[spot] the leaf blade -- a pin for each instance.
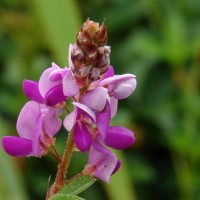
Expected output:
(77, 185)
(65, 197)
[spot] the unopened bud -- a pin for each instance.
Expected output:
(90, 55)
(91, 36)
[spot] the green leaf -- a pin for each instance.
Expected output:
(77, 185)
(65, 197)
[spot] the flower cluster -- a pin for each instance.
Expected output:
(89, 82)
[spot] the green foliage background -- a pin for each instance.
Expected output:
(159, 42)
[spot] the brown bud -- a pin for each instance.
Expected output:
(90, 55)
(91, 36)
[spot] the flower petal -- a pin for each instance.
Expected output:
(118, 165)
(31, 90)
(57, 74)
(36, 138)
(51, 121)
(82, 137)
(102, 161)
(109, 72)
(95, 99)
(70, 120)
(16, 146)
(119, 137)
(70, 87)
(113, 106)
(120, 86)
(85, 109)
(54, 66)
(103, 120)
(55, 95)
(27, 119)
(44, 83)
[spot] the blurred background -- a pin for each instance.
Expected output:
(159, 42)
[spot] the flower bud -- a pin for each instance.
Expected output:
(91, 36)
(90, 55)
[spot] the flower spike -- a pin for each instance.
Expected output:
(89, 91)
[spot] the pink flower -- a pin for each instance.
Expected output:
(92, 132)
(110, 87)
(81, 119)
(36, 125)
(94, 126)
(102, 163)
(55, 86)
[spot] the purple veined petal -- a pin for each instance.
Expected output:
(103, 120)
(85, 109)
(70, 87)
(70, 120)
(120, 86)
(95, 99)
(55, 95)
(27, 119)
(36, 138)
(57, 74)
(109, 72)
(16, 146)
(118, 165)
(103, 160)
(113, 106)
(31, 90)
(44, 83)
(51, 121)
(119, 137)
(82, 137)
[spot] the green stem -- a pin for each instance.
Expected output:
(63, 166)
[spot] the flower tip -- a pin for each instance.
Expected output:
(55, 95)
(4, 144)
(31, 90)
(16, 146)
(118, 165)
(119, 137)
(54, 65)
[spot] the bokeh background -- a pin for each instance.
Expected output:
(159, 42)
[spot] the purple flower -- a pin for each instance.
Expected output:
(91, 132)
(91, 84)
(116, 137)
(36, 125)
(102, 163)
(119, 86)
(81, 119)
(95, 99)
(90, 126)
(110, 87)
(31, 90)
(55, 86)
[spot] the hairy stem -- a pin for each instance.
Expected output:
(63, 166)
